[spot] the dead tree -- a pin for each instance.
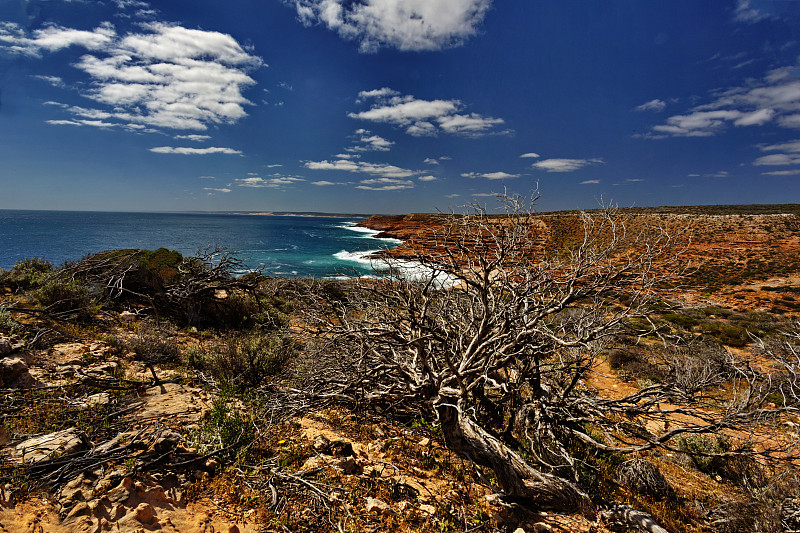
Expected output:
(497, 339)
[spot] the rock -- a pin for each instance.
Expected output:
(212, 464)
(167, 441)
(127, 316)
(375, 505)
(14, 373)
(428, 508)
(5, 345)
(541, 527)
(519, 530)
(50, 445)
(99, 370)
(121, 492)
(4, 436)
(425, 442)
(101, 398)
(321, 444)
(233, 529)
(341, 448)
(350, 466)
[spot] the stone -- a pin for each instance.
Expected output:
(127, 316)
(233, 529)
(375, 505)
(5, 345)
(212, 464)
(428, 508)
(167, 441)
(541, 527)
(51, 445)
(425, 442)
(349, 466)
(100, 370)
(341, 448)
(101, 398)
(14, 373)
(321, 444)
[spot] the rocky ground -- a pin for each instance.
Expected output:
(95, 437)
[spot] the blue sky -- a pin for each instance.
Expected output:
(393, 106)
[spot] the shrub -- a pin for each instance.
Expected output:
(64, 298)
(644, 478)
(243, 359)
(26, 274)
(154, 343)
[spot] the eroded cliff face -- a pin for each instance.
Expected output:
(747, 261)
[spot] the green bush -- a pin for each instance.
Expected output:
(244, 359)
(154, 343)
(26, 274)
(65, 298)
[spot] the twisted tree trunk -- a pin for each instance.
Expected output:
(519, 481)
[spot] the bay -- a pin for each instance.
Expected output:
(292, 246)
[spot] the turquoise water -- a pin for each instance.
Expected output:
(320, 247)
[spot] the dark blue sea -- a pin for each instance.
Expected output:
(320, 247)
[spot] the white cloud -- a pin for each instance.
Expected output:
(427, 178)
(413, 25)
(376, 169)
(634, 180)
(269, 183)
(530, 155)
(424, 117)
(206, 177)
(383, 92)
(791, 146)
(783, 172)
(431, 161)
(744, 12)
(55, 81)
(196, 138)
(756, 118)
(323, 183)
(565, 165)
(164, 76)
(385, 184)
(589, 182)
(774, 98)
(778, 160)
(653, 105)
(490, 175)
(194, 151)
(367, 142)
(212, 189)
(453, 195)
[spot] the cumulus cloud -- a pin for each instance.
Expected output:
(424, 117)
(275, 182)
(427, 178)
(196, 138)
(55, 81)
(431, 161)
(589, 182)
(490, 175)
(790, 156)
(565, 165)
(164, 76)
(212, 189)
(412, 25)
(655, 105)
(530, 155)
(323, 183)
(773, 99)
(367, 142)
(376, 169)
(385, 184)
(194, 151)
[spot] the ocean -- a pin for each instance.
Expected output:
(291, 246)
